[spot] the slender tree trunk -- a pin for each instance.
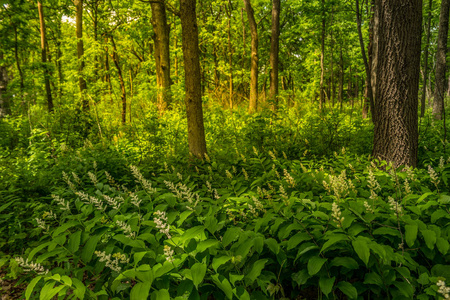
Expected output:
(274, 50)
(425, 63)
(230, 55)
(397, 39)
(19, 68)
(366, 63)
(440, 82)
(162, 54)
(115, 57)
(322, 59)
(5, 97)
(341, 79)
(44, 58)
(107, 71)
(253, 105)
(193, 96)
(80, 52)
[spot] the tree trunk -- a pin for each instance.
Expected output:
(19, 69)
(115, 57)
(230, 56)
(80, 52)
(162, 54)
(253, 105)
(44, 58)
(193, 97)
(397, 39)
(440, 82)
(341, 79)
(322, 58)
(366, 63)
(5, 97)
(425, 63)
(274, 50)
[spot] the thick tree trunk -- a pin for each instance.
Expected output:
(162, 54)
(440, 82)
(193, 97)
(80, 52)
(115, 57)
(425, 63)
(44, 58)
(397, 39)
(253, 105)
(274, 50)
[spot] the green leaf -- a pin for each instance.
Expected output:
(373, 278)
(31, 286)
(257, 267)
(192, 233)
(37, 249)
(442, 245)
(315, 264)
(429, 237)
(49, 290)
(273, 245)
(223, 284)
(129, 241)
(346, 262)
(230, 235)
(89, 248)
(74, 242)
(161, 295)
(335, 238)
(348, 289)
(423, 279)
(438, 214)
(386, 231)
(140, 291)
(235, 277)
(80, 288)
(159, 270)
(198, 272)
(297, 239)
(411, 234)
(218, 261)
(64, 227)
(326, 285)
(362, 249)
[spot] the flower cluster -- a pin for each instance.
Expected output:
(126, 228)
(93, 178)
(135, 200)
(374, 186)
(407, 187)
(339, 185)
(289, 179)
(441, 163)
(63, 204)
(245, 174)
(395, 206)
(144, 182)
(161, 223)
(69, 183)
(91, 200)
(229, 175)
(443, 289)
(112, 261)
(181, 191)
(433, 175)
(258, 206)
(368, 207)
(41, 224)
(168, 253)
(30, 266)
(336, 215)
(113, 202)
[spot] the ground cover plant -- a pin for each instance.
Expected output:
(275, 220)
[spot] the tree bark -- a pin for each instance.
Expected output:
(5, 97)
(193, 97)
(274, 50)
(440, 82)
(80, 52)
(425, 63)
(115, 57)
(322, 59)
(44, 58)
(162, 55)
(397, 39)
(253, 105)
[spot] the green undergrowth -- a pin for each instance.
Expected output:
(261, 226)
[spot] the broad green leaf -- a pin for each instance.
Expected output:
(235, 277)
(218, 261)
(297, 239)
(411, 234)
(192, 233)
(80, 288)
(333, 240)
(140, 291)
(257, 267)
(64, 227)
(138, 256)
(301, 277)
(423, 279)
(89, 248)
(159, 270)
(442, 245)
(49, 290)
(429, 237)
(37, 249)
(438, 214)
(273, 245)
(326, 285)
(386, 231)
(183, 216)
(223, 284)
(230, 235)
(315, 264)
(362, 249)
(373, 278)
(31, 286)
(198, 272)
(74, 241)
(405, 288)
(128, 241)
(161, 295)
(348, 289)
(346, 262)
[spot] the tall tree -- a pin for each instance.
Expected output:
(115, 58)
(192, 73)
(253, 105)
(397, 39)
(322, 59)
(44, 58)
(440, 82)
(5, 98)
(425, 63)
(274, 49)
(80, 53)
(162, 54)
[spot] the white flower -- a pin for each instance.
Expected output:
(63, 204)
(168, 253)
(30, 266)
(161, 223)
(336, 215)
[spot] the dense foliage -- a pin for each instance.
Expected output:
(285, 206)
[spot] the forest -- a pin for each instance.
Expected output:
(224, 149)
